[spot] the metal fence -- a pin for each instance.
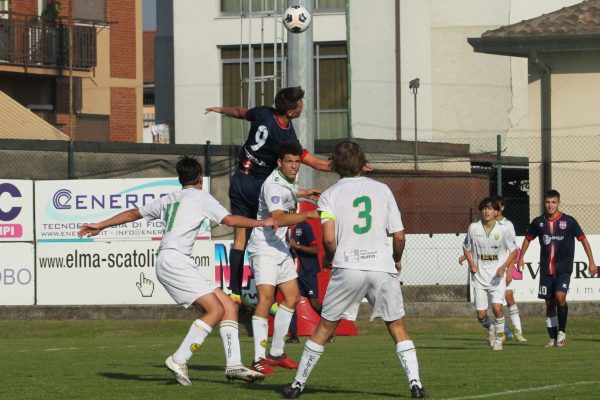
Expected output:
(437, 195)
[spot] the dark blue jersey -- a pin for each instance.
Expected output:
(309, 263)
(258, 157)
(557, 242)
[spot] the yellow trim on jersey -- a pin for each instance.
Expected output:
(326, 215)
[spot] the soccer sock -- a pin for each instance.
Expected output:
(231, 342)
(280, 328)
(310, 356)
(294, 325)
(408, 359)
(515, 318)
(192, 342)
(485, 322)
(499, 326)
(552, 325)
(260, 328)
(236, 270)
(562, 313)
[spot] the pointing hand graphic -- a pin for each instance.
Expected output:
(145, 286)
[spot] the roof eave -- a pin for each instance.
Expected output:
(521, 46)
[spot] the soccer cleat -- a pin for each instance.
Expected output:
(293, 391)
(179, 370)
(519, 336)
(501, 336)
(237, 299)
(417, 391)
(551, 343)
(331, 338)
(241, 373)
(263, 367)
(561, 340)
(274, 308)
(282, 361)
(509, 335)
(497, 345)
(292, 339)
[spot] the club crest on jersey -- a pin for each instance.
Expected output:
(541, 224)
(275, 199)
(562, 225)
(496, 237)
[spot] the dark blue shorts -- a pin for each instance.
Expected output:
(550, 284)
(244, 192)
(309, 286)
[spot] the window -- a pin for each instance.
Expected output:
(5, 8)
(233, 6)
(247, 85)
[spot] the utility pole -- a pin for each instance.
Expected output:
(414, 87)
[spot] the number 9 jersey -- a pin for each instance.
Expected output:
(365, 213)
(258, 156)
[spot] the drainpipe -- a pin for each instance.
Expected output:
(546, 120)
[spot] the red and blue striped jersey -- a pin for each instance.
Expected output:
(557, 242)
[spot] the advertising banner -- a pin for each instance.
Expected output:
(119, 272)
(582, 286)
(61, 207)
(17, 274)
(16, 210)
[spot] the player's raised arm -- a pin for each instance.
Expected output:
(237, 221)
(284, 219)
(320, 164)
(92, 229)
(235, 112)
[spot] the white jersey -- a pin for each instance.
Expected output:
(276, 193)
(489, 252)
(183, 213)
(365, 213)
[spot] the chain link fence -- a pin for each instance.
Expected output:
(437, 188)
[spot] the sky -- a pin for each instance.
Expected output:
(149, 15)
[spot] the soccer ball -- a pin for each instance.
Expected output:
(296, 19)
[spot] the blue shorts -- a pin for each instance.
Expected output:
(244, 192)
(309, 286)
(550, 284)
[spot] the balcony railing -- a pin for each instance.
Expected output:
(37, 43)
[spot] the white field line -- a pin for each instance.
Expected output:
(517, 391)
(77, 348)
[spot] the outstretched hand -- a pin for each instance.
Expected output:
(270, 221)
(311, 194)
(89, 230)
(213, 109)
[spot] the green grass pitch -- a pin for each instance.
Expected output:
(124, 360)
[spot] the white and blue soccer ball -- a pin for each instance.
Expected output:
(296, 19)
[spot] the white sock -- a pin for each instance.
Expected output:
(260, 328)
(310, 356)
(499, 326)
(515, 318)
(408, 359)
(231, 342)
(195, 337)
(280, 329)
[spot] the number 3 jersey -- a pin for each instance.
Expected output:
(365, 213)
(277, 193)
(183, 213)
(489, 251)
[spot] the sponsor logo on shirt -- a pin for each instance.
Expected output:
(548, 239)
(488, 257)
(356, 255)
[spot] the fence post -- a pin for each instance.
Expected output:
(70, 160)
(207, 159)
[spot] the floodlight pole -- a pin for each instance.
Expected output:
(414, 86)
(300, 73)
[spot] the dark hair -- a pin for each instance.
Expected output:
(287, 99)
(189, 170)
(501, 201)
(348, 159)
(552, 193)
(489, 201)
(292, 147)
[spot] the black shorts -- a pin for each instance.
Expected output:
(309, 286)
(550, 284)
(244, 192)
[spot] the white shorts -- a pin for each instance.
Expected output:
(484, 296)
(348, 287)
(272, 268)
(181, 278)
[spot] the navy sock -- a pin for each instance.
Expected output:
(562, 313)
(294, 325)
(236, 270)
